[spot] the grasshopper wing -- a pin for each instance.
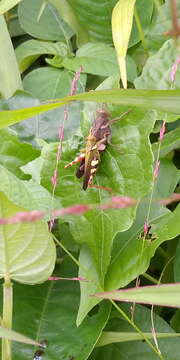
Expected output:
(81, 169)
(91, 164)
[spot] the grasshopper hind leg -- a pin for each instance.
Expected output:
(79, 158)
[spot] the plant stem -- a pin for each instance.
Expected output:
(163, 253)
(150, 278)
(137, 329)
(140, 29)
(7, 317)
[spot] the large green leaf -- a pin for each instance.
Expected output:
(50, 25)
(156, 72)
(109, 337)
(27, 250)
(171, 141)
(87, 270)
(126, 167)
(96, 228)
(14, 25)
(50, 312)
(30, 50)
(165, 100)
(9, 72)
(129, 257)
(66, 12)
(15, 336)
(124, 266)
(138, 349)
(141, 253)
(27, 194)
(176, 264)
(95, 17)
(39, 126)
(99, 59)
(165, 295)
(14, 154)
(175, 320)
(50, 83)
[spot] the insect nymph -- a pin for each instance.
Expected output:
(97, 140)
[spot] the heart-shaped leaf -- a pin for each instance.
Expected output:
(27, 249)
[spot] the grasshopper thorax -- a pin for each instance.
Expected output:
(101, 127)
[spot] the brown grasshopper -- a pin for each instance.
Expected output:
(98, 138)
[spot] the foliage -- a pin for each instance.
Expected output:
(62, 61)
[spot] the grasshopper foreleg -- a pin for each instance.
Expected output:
(76, 160)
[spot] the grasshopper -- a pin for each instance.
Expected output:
(97, 140)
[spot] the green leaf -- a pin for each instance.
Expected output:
(9, 73)
(51, 314)
(87, 270)
(109, 337)
(30, 50)
(65, 10)
(38, 126)
(15, 336)
(176, 264)
(14, 154)
(145, 12)
(95, 17)
(13, 23)
(25, 257)
(157, 70)
(98, 228)
(166, 100)
(50, 83)
(98, 59)
(138, 349)
(171, 141)
(165, 295)
(91, 228)
(163, 22)
(130, 257)
(6, 5)
(175, 320)
(27, 194)
(49, 27)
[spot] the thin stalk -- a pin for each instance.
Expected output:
(158, 4)
(163, 253)
(137, 329)
(140, 29)
(70, 255)
(153, 186)
(150, 278)
(66, 250)
(7, 317)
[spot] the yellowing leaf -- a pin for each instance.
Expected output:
(6, 5)
(122, 19)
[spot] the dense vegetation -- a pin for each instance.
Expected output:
(60, 69)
